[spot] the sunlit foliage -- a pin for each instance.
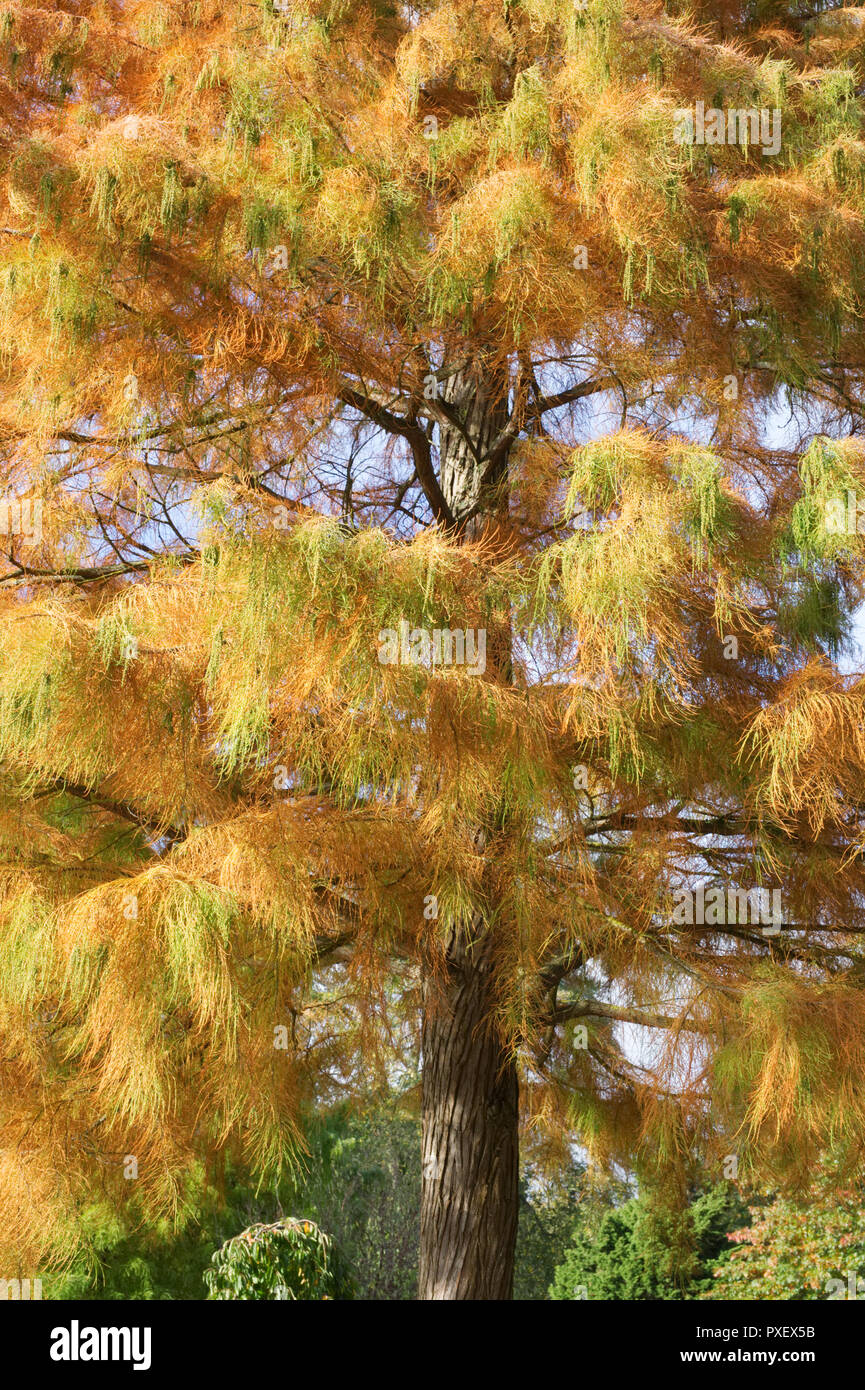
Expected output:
(249, 257)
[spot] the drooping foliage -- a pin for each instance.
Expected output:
(359, 1181)
(249, 257)
(290, 1260)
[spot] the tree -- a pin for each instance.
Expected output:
(796, 1249)
(359, 1182)
(366, 1193)
(548, 1208)
(431, 441)
(291, 1260)
(639, 1250)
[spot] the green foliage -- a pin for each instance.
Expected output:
(813, 615)
(546, 1226)
(361, 1184)
(289, 1260)
(641, 1251)
(794, 1250)
(364, 1187)
(525, 123)
(817, 529)
(707, 515)
(152, 1264)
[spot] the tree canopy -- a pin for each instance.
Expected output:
(423, 431)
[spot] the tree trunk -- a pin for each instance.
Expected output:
(479, 401)
(470, 1143)
(470, 1153)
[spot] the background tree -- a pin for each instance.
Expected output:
(324, 319)
(642, 1250)
(359, 1182)
(549, 1206)
(809, 1248)
(366, 1191)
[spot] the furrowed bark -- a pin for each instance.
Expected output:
(470, 1143)
(470, 1150)
(477, 402)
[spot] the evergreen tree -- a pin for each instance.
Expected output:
(431, 452)
(639, 1251)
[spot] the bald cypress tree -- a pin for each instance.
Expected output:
(431, 463)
